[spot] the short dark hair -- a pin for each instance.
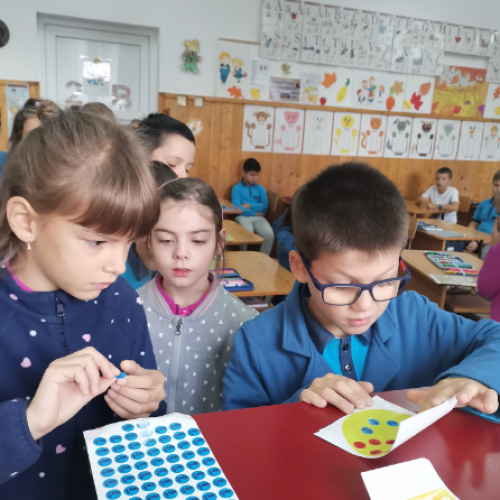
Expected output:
(445, 170)
(496, 201)
(158, 126)
(162, 173)
(251, 165)
(496, 176)
(18, 125)
(349, 207)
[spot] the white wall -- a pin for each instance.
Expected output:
(206, 20)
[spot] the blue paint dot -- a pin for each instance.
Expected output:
(209, 496)
(100, 441)
(115, 439)
(110, 483)
(194, 432)
(203, 451)
(214, 471)
(156, 462)
(131, 490)
(161, 429)
(113, 495)
(119, 448)
(128, 479)
(172, 459)
(169, 494)
(122, 375)
(187, 490)
(165, 439)
(177, 468)
(137, 455)
(165, 482)
(203, 486)
(208, 461)
(183, 445)
(179, 435)
(108, 472)
(101, 452)
(131, 436)
(148, 486)
(198, 475)
(161, 472)
(174, 426)
(120, 459)
(124, 469)
(153, 496)
(226, 493)
(219, 482)
(392, 423)
(366, 430)
(143, 424)
(182, 478)
(104, 462)
(193, 465)
(145, 476)
(141, 465)
(188, 455)
(134, 446)
(128, 427)
(168, 448)
(373, 421)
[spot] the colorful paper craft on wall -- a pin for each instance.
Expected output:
(234, 63)
(335, 88)
(460, 92)
(471, 138)
(370, 89)
(346, 134)
(372, 140)
(309, 88)
(288, 131)
(191, 57)
(419, 94)
(423, 138)
(492, 108)
(195, 125)
(318, 132)
(447, 139)
(398, 135)
(17, 94)
(258, 124)
(490, 150)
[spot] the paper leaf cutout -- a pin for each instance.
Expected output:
(343, 91)
(416, 100)
(455, 80)
(235, 92)
(329, 80)
(390, 103)
(425, 87)
(255, 93)
(286, 68)
(398, 88)
(496, 94)
(407, 104)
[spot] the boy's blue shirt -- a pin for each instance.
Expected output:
(413, 344)
(285, 241)
(485, 215)
(255, 195)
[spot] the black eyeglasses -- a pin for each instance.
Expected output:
(345, 295)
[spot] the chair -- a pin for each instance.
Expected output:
(465, 202)
(273, 203)
(412, 230)
(467, 304)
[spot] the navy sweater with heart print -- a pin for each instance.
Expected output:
(35, 329)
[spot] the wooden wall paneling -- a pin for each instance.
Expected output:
(219, 156)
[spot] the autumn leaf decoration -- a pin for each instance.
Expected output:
(396, 89)
(235, 92)
(416, 100)
(496, 94)
(329, 80)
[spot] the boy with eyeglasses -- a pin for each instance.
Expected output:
(347, 329)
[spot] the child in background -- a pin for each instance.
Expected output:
(169, 141)
(442, 196)
(192, 319)
(73, 195)
(252, 199)
(488, 282)
(346, 329)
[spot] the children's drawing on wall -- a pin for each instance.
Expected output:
(76, 89)
(419, 94)
(493, 72)
(372, 139)
(398, 137)
(288, 131)
(17, 95)
(471, 138)
(423, 139)
(225, 66)
(260, 78)
(97, 77)
(370, 89)
(346, 134)
(492, 107)
(460, 92)
(120, 97)
(394, 101)
(309, 85)
(447, 137)
(335, 88)
(191, 57)
(318, 132)
(258, 124)
(490, 150)
(195, 125)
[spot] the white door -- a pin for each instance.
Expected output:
(82, 64)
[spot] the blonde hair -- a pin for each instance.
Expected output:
(83, 166)
(224, 54)
(239, 62)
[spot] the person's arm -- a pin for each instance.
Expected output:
(236, 200)
(453, 206)
(263, 206)
(474, 224)
(488, 282)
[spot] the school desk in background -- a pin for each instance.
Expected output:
(238, 235)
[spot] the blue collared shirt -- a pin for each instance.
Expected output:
(485, 215)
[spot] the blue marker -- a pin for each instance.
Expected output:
(122, 375)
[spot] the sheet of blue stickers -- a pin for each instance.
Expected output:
(155, 458)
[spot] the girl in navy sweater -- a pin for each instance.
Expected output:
(74, 193)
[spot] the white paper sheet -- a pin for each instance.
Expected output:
(415, 480)
(376, 431)
(155, 458)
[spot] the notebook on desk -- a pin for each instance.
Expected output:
(231, 280)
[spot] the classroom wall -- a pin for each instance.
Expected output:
(206, 20)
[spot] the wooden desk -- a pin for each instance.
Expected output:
(271, 453)
(241, 236)
(228, 208)
(420, 212)
(268, 277)
(434, 241)
(420, 267)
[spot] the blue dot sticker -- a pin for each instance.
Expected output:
(182, 478)
(153, 496)
(142, 424)
(219, 482)
(115, 439)
(187, 489)
(100, 441)
(172, 459)
(118, 448)
(366, 430)
(128, 479)
(148, 486)
(226, 493)
(214, 471)
(152, 452)
(131, 436)
(165, 439)
(198, 475)
(156, 462)
(110, 483)
(183, 445)
(128, 427)
(101, 452)
(392, 423)
(149, 442)
(124, 469)
(120, 459)
(203, 486)
(208, 461)
(137, 455)
(134, 446)
(179, 435)
(174, 427)
(169, 494)
(161, 429)
(373, 421)
(145, 475)
(168, 448)
(131, 490)
(108, 472)
(209, 496)
(165, 482)
(188, 455)
(177, 468)
(198, 441)
(113, 495)
(193, 465)
(161, 472)
(194, 432)
(141, 465)
(203, 451)
(104, 462)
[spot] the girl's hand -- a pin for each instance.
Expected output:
(67, 385)
(495, 233)
(472, 246)
(138, 394)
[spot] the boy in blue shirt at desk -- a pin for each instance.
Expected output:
(346, 329)
(252, 199)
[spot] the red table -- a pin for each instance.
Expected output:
(272, 453)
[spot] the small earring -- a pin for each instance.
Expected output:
(29, 246)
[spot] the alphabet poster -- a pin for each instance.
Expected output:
(257, 129)
(471, 138)
(492, 108)
(447, 139)
(419, 94)
(372, 138)
(398, 136)
(288, 131)
(423, 138)
(318, 132)
(346, 134)
(490, 150)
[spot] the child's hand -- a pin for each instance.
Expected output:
(432, 206)
(342, 392)
(468, 393)
(138, 394)
(68, 384)
(246, 205)
(472, 246)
